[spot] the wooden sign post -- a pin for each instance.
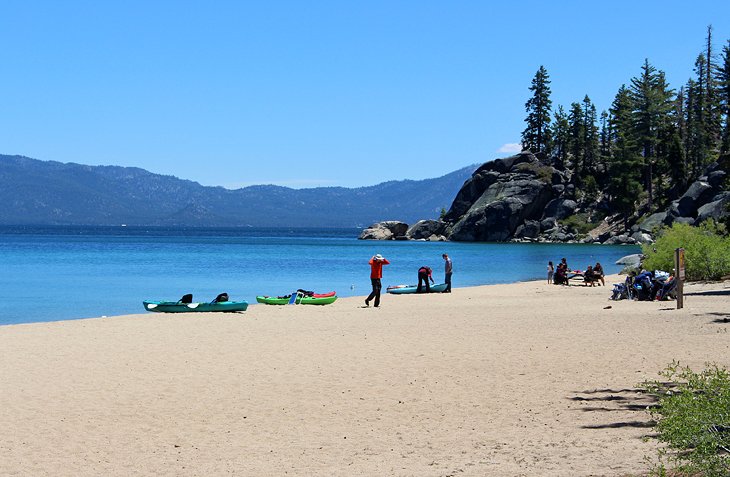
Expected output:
(679, 275)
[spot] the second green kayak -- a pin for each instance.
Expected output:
(307, 300)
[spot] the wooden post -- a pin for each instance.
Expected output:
(679, 275)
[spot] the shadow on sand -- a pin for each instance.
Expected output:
(631, 400)
(709, 293)
(723, 318)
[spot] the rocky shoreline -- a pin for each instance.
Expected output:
(522, 199)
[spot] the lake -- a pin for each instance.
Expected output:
(59, 273)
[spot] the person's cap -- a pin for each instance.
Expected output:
(378, 257)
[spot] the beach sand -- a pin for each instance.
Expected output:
(503, 380)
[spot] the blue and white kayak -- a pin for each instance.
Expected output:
(404, 289)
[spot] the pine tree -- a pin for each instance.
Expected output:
(652, 102)
(560, 137)
(674, 164)
(680, 113)
(698, 153)
(625, 161)
(676, 154)
(590, 142)
(713, 121)
(723, 85)
(604, 145)
(694, 137)
(535, 137)
(667, 138)
(604, 150)
(576, 139)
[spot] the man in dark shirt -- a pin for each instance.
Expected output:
(448, 270)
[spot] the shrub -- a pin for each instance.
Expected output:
(693, 419)
(706, 251)
(582, 223)
(542, 172)
(590, 189)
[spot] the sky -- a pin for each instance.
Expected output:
(317, 93)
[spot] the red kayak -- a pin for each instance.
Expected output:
(324, 295)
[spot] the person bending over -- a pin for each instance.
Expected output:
(424, 275)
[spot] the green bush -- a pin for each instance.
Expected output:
(543, 173)
(582, 223)
(693, 419)
(706, 251)
(589, 189)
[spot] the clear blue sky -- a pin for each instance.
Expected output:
(316, 93)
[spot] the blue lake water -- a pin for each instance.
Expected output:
(58, 273)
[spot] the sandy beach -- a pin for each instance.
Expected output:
(506, 380)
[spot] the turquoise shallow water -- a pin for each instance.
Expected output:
(58, 273)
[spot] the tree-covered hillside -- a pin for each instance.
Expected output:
(47, 192)
(652, 143)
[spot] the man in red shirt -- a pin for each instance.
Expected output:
(376, 273)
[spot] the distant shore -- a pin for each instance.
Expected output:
(518, 379)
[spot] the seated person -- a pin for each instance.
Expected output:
(561, 275)
(589, 276)
(643, 285)
(598, 272)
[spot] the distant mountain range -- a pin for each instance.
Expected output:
(53, 193)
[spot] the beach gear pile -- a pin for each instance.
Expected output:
(646, 286)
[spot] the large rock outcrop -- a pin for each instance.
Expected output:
(705, 199)
(388, 230)
(520, 198)
(503, 199)
(432, 230)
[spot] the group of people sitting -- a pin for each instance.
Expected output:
(593, 275)
(562, 274)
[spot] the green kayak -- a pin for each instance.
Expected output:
(307, 300)
(178, 307)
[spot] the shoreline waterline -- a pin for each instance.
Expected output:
(81, 275)
(255, 305)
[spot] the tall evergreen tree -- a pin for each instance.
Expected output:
(677, 152)
(604, 146)
(694, 136)
(604, 150)
(667, 138)
(535, 137)
(560, 137)
(723, 86)
(625, 161)
(576, 140)
(712, 114)
(651, 103)
(698, 151)
(590, 142)
(680, 113)
(674, 163)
